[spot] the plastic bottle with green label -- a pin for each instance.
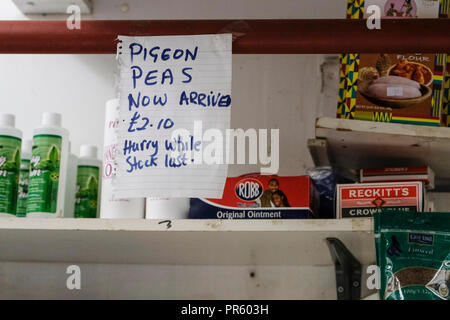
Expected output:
(48, 169)
(23, 179)
(87, 199)
(71, 184)
(10, 147)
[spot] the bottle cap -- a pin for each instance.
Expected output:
(27, 145)
(112, 104)
(88, 151)
(51, 119)
(7, 120)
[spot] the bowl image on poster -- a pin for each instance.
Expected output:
(395, 94)
(395, 83)
(412, 70)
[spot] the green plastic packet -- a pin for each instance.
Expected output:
(413, 253)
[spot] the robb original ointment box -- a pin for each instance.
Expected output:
(362, 200)
(260, 197)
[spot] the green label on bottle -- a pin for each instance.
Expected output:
(23, 188)
(9, 173)
(44, 174)
(87, 192)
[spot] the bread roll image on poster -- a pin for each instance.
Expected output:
(393, 91)
(397, 81)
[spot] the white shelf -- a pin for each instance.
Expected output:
(355, 144)
(187, 242)
(52, 7)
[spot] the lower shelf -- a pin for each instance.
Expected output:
(183, 242)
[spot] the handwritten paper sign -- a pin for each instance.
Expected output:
(171, 90)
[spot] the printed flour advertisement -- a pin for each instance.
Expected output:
(401, 87)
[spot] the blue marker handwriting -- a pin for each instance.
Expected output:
(135, 164)
(154, 69)
(144, 101)
(145, 123)
(205, 100)
(178, 144)
(144, 145)
(157, 53)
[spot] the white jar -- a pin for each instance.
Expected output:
(115, 208)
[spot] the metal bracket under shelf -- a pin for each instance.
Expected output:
(318, 149)
(348, 271)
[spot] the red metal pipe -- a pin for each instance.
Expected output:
(252, 36)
